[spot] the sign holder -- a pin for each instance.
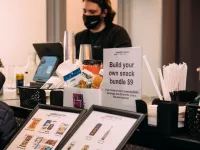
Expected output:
(39, 129)
(102, 121)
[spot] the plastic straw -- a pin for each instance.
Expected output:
(152, 78)
(165, 91)
(183, 77)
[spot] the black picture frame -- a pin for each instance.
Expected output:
(108, 110)
(81, 113)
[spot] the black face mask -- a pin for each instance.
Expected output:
(91, 22)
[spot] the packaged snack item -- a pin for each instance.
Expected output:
(85, 147)
(78, 100)
(93, 66)
(47, 126)
(62, 128)
(25, 141)
(106, 134)
(72, 79)
(51, 142)
(97, 80)
(71, 145)
(86, 79)
(95, 129)
(33, 124)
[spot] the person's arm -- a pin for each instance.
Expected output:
(121, 39)
(8, 124)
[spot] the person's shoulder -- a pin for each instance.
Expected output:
(117, 28)
(120, 36)
(81, 33)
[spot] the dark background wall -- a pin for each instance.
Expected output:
(181, 36)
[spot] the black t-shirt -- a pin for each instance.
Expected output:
(112, 36)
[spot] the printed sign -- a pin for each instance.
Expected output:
(122, 77)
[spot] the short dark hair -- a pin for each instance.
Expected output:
(105, 4)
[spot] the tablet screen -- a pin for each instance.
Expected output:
(46, 68)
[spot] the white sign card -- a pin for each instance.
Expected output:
(81, 98)
(100, 131)
(44, 130)
(122, 77)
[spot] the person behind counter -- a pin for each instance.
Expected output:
(101, 32)
(8, 124)
(2, 80)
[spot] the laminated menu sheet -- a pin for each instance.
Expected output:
(45, 129)
(103, 129)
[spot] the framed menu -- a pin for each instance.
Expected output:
(102, 128)
(45, 128)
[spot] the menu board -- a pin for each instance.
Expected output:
(101, 131)
(44, 131)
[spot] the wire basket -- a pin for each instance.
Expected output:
(30, 97)
(192, 119)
